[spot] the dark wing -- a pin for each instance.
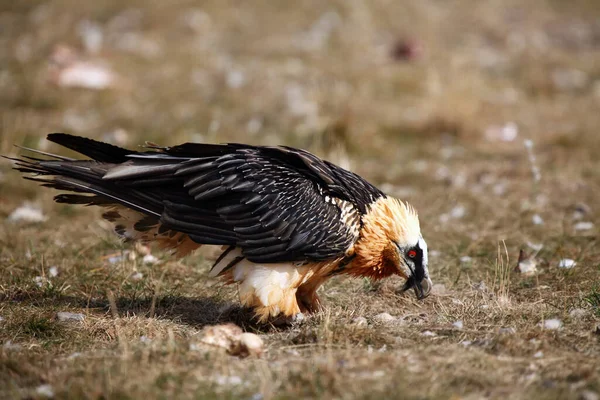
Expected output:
(274, 203)
(333, 180)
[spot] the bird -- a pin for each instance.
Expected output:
(284, 220)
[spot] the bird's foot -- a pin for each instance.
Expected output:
(289, 320)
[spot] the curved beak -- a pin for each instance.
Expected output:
(422, 288)
(426, 286)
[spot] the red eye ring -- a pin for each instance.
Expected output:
(412, 253)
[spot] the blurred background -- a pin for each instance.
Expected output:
(433, 101)
(482, 114)
(365, 75)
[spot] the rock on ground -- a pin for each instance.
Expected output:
(384, 318)
(65, 316)
(233, 340)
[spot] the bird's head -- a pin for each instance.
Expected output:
(392, 243)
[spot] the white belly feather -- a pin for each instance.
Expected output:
(272, 285)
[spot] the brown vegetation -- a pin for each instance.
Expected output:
(432, 101)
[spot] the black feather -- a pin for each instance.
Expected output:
(267, 200)
(95, 150)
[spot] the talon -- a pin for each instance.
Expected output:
(288, 320)
(298, 319)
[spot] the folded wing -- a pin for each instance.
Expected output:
(276, 204)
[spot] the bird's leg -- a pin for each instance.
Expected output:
(288, 320)
(308, 300)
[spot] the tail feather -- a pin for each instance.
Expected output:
(93, 200)
(56, 156)
(99, 151)
(136, 214)
(135, 226)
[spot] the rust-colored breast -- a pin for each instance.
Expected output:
(381, 266)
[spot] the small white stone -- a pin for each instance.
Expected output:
(566, 263)
(297, 319)
(196, 347)
(539, 354)
(86, 75)
(507, 331)
(10, 346)
(119, 136)
(45, 391)
(384, 318)
(27, 213)
(458, 324)
(136, 277)
(142, 249)
(197, 20)
(233, 380)
(504, 133)
(537, 220)
(225, 336)
(589, 395)
(535, 246)
(552, 324)
(91, 35)
(458, 180)
(145, 339)
(583, 226)
(65, 316)
(235, 79)
(567, 79)
(254, 125)
(53, 272)
(466, 343)
(251, 344)
(499, 189)
(149, 259)
(214, 126)
(528, 267)
(115, 259)
(465, 259)
(360, 321)
(458, 212)
(443, 173)
(438, 289)
(428, 334)
(578, 313)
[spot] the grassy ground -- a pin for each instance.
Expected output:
(432, 127)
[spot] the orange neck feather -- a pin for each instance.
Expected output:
(387, 220)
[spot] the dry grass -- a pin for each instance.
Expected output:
(318, 76)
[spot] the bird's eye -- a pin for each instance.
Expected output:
(412, 253)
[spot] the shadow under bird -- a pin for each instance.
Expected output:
(285, 219)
